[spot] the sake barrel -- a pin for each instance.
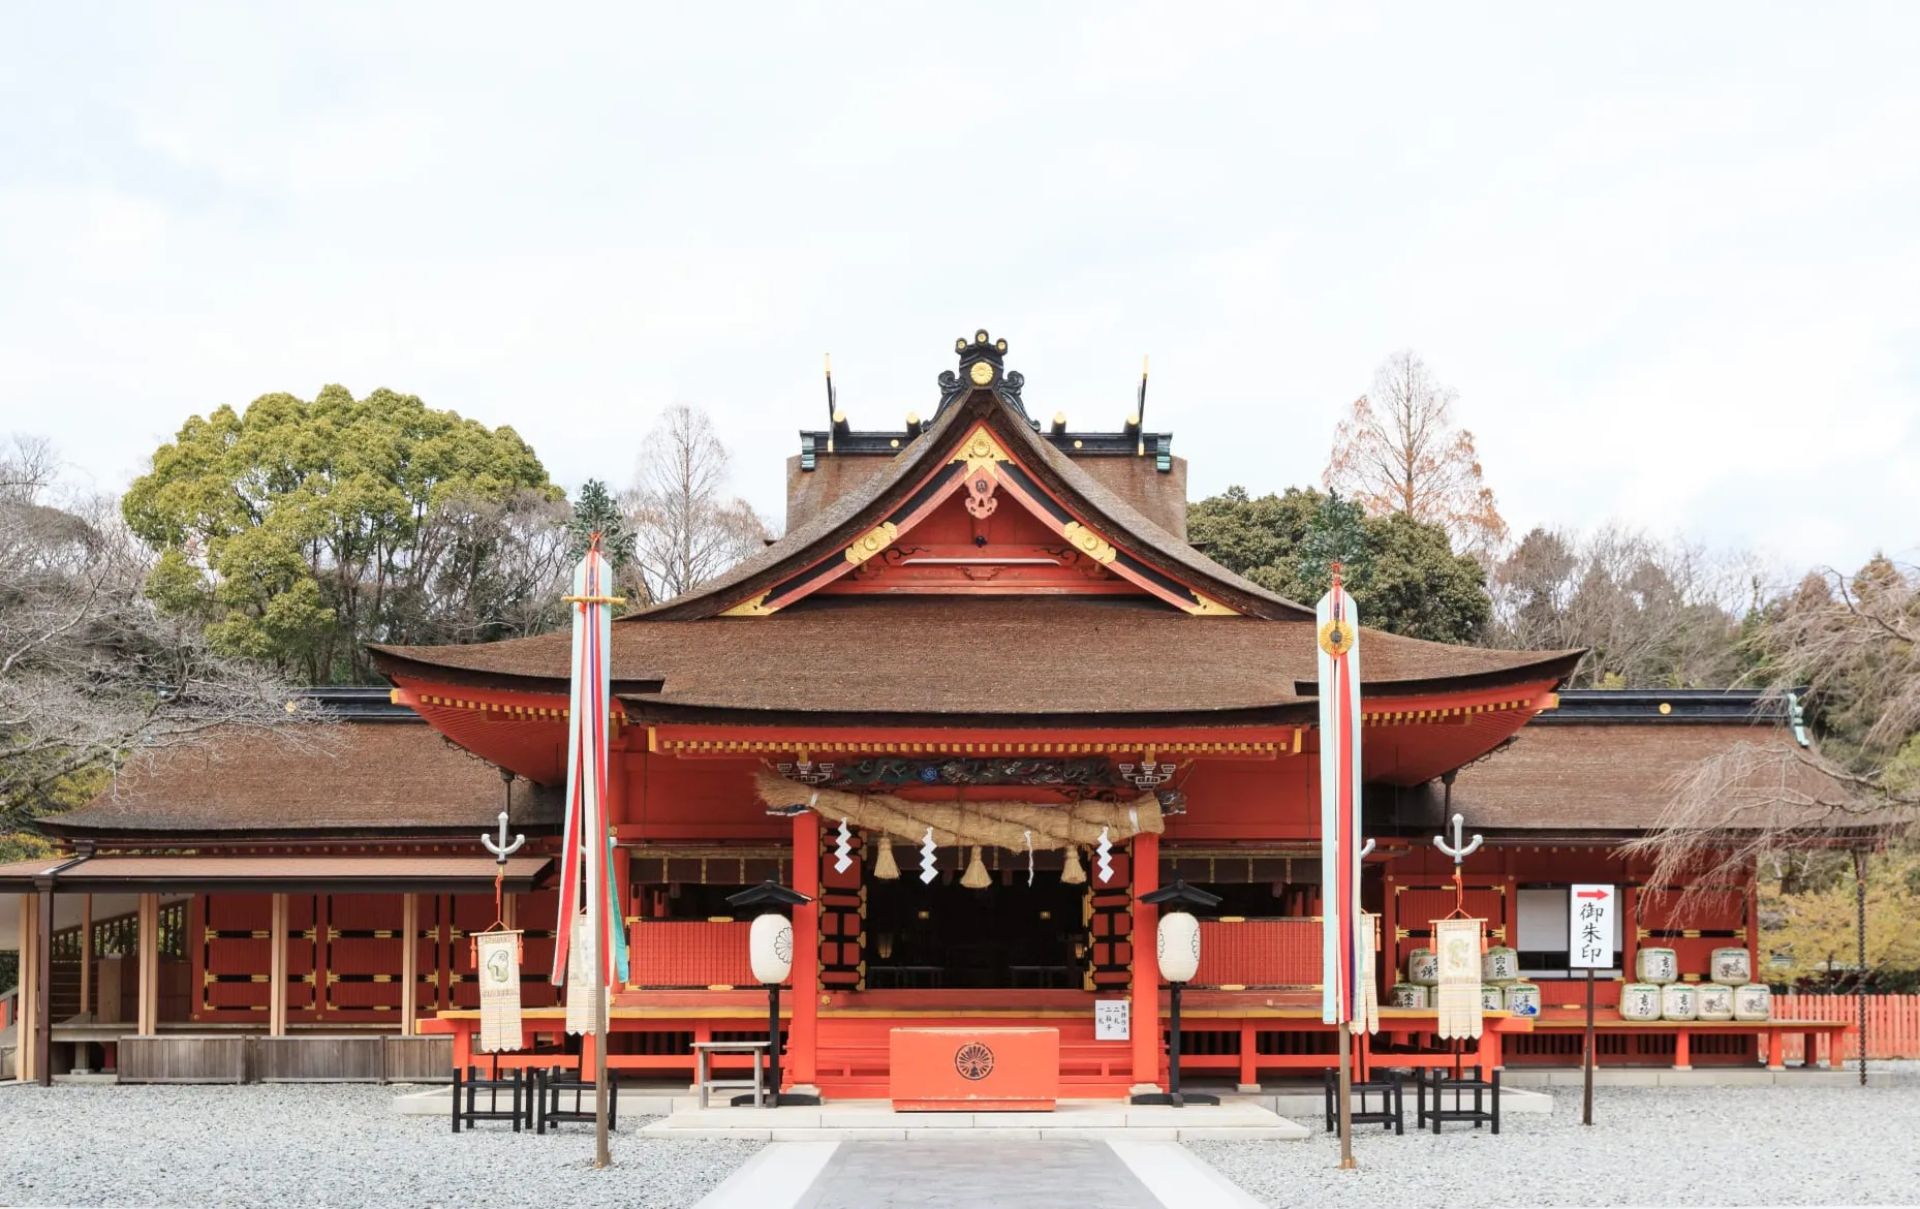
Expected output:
(1716, 1002)
(1679, 1001)
(1523, 998)
(1657, 966)
(1730, 967)
(1639, 1001)
(1753, 1002)
(1423, 967)
(1501, 964)
(1408, 995)
(1492, 998)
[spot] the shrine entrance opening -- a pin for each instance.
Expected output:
(946, 936)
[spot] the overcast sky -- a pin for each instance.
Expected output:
(1670, 260)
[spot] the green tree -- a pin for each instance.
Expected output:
(596, 511)
(1402, 572)
(300, 530)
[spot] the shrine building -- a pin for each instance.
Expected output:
(980, 699)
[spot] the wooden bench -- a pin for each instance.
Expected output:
(705, 1083)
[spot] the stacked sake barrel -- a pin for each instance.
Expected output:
(1733, 969)
(1644, 998)
(1659, 993)
(1499, 974)
(1423, 974)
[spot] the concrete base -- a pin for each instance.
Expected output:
(88, 1078)
(875, 1120)
(1699, 1076)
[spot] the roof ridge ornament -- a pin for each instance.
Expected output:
(983, 367)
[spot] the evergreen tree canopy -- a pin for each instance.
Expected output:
(302, 530)
(1403, 573)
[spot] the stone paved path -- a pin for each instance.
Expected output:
(977, 1175)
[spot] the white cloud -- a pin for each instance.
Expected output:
(1668, 262)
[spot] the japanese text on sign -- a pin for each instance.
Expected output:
(1590, 934)
(1111, 1020)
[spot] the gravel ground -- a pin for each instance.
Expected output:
(329, 1144)
(1647, 1146)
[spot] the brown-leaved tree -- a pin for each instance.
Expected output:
(1399, 450)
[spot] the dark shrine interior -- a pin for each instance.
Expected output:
(945, 936)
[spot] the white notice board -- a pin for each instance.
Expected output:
(1110, 1020)
(1590, 926)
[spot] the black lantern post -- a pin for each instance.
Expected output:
(772, 961)
(1181, 934)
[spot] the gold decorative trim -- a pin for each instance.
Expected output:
(495, 707)
(1396, 717)
(757, 607)
(1209, 607)
(979, 447)
(872, 542)
(1088, 542)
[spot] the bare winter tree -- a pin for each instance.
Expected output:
(1651, 613)
(486, 569)
(92, 675)
(687, 530)
(1399, 451)
(1852, 643)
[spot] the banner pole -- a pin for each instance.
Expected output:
(1347, 1162)
(1586, 1104)
(601, 1157)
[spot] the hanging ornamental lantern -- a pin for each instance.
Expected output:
(1179, 946)
(771, 948)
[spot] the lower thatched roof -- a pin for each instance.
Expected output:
(344, 778)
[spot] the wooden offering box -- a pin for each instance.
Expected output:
(974, 1069)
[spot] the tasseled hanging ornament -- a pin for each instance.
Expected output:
(883, 865)
(1071, 873)
(976, 877)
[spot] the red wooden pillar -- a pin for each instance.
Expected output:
(803, 1025)
(1145, 1008)
(620, 810)
(1630, 932)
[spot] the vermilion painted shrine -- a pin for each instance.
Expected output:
(978, 614)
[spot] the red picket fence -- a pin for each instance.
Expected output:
(1893, 1023)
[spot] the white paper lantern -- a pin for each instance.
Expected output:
(771, 947)
(1179, 946)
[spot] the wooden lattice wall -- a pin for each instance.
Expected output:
(345, 955)
(1109, 919)
(843, 915)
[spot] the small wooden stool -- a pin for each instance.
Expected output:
(703, 1079)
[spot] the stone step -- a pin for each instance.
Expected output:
(875, 1120)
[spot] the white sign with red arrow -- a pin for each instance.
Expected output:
(1590, 930)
